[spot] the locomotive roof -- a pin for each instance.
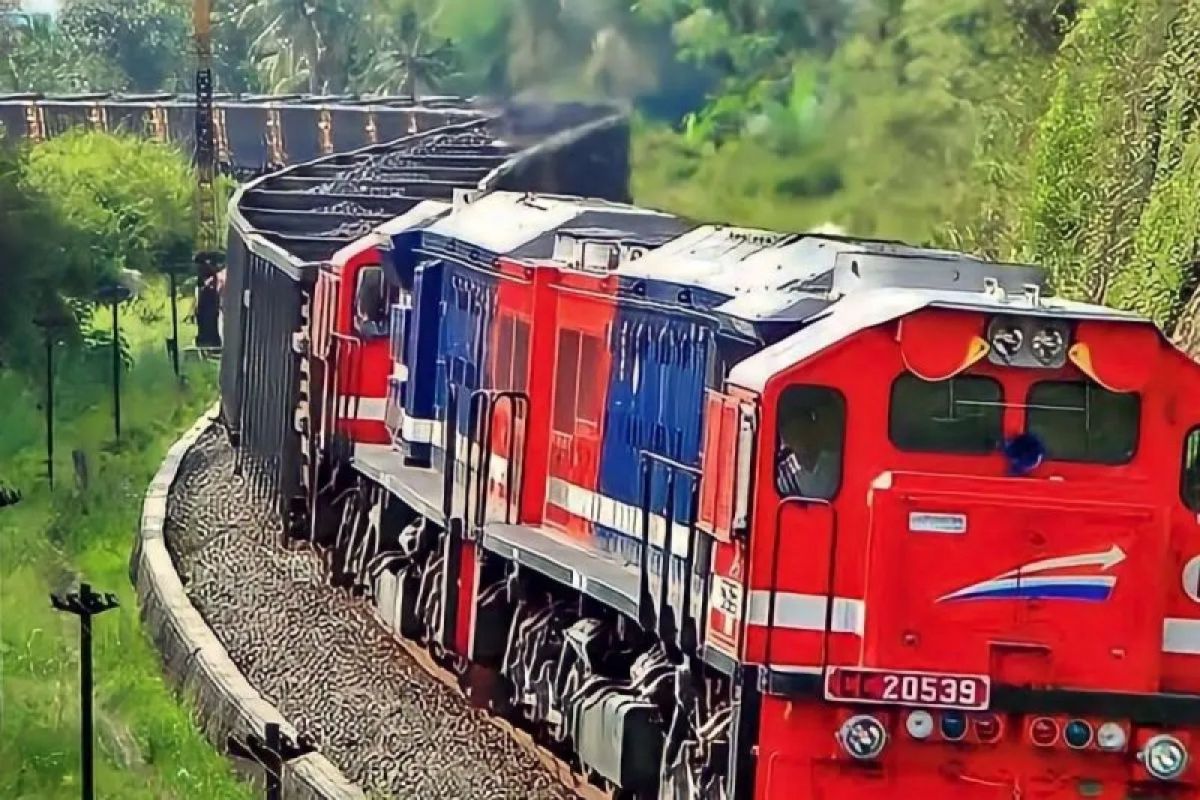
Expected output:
(878, 304)
(767, 276)
(424, 213)
(525, 225)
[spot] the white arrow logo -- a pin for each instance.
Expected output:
(1022, 580)
(1106, 561)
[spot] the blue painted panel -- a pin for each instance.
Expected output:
(400, 259)
(655, 403)
(467, 302)
(423, 322)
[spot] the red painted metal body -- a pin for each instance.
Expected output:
(889, 581)
(356, 366)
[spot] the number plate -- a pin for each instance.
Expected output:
(891, 687)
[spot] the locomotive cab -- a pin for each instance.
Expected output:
(960, 557)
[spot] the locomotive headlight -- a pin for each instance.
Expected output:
(1048, 345)
(954, 725)
(1007, 341)
(1111, 737)
(1164, 757)
(1077, 734)
(862, 737)
(919, 725)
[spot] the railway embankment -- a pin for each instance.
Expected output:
(254, 633)
(195, 660)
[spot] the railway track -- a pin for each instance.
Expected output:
(381, 710)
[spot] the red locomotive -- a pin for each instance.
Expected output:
(725, 513)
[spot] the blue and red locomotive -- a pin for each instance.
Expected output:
(728, 513)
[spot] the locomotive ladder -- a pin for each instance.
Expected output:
(478, 462)
(680, 637)
(830, 574)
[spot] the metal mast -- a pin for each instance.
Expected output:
(208, 258)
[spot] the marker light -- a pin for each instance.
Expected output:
(1043, 732)
(1007, 341)
(1164, 757)
(954, 725)
(1078, 734)
(919, 724)
(1048, 346)
(862, 737)
(1111, 737)
(987, 727)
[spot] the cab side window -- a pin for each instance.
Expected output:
(811, 427)
(370, 304)
(1189, 483)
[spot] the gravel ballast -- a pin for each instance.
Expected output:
(322, 658)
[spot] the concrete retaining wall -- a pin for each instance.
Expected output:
(195, 661)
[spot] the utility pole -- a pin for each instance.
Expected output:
(271, 751)
(206, 147)
(172, 271)
(51, 323)
(114, 294)
(207, 259)
(85, 604)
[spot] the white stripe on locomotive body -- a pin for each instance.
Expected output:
(372, 409)
(418, 431)
(1181, 636)
(807, 612)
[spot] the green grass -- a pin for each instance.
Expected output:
(147, 743)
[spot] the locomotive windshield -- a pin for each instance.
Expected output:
(959, 415)
(1082, 421)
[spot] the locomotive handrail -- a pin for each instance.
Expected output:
(663, 622)
(349, 347)
(773, 591)
(449, 448)
(493, 399)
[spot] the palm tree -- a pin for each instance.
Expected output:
(410, 59)
(35, 55)
(298, 42)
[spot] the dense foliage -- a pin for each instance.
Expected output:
(1062, 131)
(1106, 196)
(81, 211)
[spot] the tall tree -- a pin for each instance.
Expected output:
(37, 55)
(408, 57)
(301, 44)
(145, 39)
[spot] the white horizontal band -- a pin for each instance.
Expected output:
(1181, 636)
(367, 408)
(417, 431)
(807, 612)
(615, 514)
